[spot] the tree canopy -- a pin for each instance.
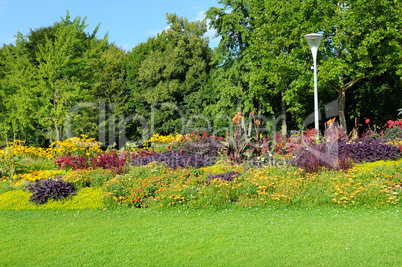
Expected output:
(59, 81)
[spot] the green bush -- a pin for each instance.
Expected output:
(87, 198)
(88, 177)
(28, 164)
(5, 186)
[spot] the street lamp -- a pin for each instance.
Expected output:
(313, 40)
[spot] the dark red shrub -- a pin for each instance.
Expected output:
(110, 160)
(75, 162)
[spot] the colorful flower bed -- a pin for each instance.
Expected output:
(201, 171)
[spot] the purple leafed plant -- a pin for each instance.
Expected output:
(175, 159)
(228, 176)
(50, 189)
(364, 150)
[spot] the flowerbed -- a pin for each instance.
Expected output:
(201, 171)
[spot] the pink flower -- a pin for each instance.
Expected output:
(181, 150)
(367, 121)
(382, 134)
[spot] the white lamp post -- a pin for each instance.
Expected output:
(313, 40)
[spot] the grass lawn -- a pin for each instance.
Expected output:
(244, 237)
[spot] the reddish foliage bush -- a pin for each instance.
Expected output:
(112, 160)
(75, 162)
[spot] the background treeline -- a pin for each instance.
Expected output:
(174, 82)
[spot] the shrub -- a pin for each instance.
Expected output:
(8, 162)
(50, 189)
(175, 159)
(5, 186)
(151, 185)
(285, 146)
(162, 144)
(115, 161)
(34, 176)
(28, 164)
(88, 177)
(236, 147)
(140, 154)
(76, 146)
(317, 156)
(364, 150)
(87, 198)
(393, 133)
(203, 145)
(138, 184)
(73, 162)
(228, 176)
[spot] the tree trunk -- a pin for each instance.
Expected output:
(250, 124)
(51, 135)
(57, 131)
(7, 140)
(284, 126)
(341, 109)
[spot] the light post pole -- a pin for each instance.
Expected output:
(313, 40)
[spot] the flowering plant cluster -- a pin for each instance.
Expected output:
(77, 146)
(198, 170)
(391, 131)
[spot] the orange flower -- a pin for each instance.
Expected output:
(237, 117)
(331, 121)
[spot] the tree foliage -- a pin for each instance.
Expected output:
(59, 81)
(170, 74)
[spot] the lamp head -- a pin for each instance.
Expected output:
(313, 40)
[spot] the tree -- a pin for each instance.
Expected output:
(172, 76)
(362, 39)
(65, 70)
(280, 69)
(136, 105)
(106, 98)
(356, 46)
(18, 100)
(231, 57)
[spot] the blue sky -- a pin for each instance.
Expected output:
(128, 22)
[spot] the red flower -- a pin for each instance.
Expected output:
(181, 150)
(382, 134)
(367, 121)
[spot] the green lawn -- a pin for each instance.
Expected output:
(248, 237)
